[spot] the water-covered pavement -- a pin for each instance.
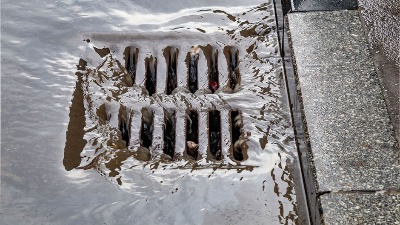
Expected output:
(64, 158)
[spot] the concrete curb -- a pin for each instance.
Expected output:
(351, 136)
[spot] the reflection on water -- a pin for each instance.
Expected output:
(231, 51)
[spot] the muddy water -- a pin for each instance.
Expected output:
(66, 93)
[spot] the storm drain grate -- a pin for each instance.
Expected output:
(238, 148)
(182, 98)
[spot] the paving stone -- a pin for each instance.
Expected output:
(351, 137)
(361, 208)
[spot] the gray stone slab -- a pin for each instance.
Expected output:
(361, 208)
(324, 5)
(351, 137)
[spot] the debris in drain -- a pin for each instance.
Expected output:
(131, 56)
(169, 133)
(192, 60)
(239, 147)
(151, 74)
(239, 141)
(237, 120)
(214, 134)
(192, 149)
(142, 154)
(146, 134)
(192, 134)
(171, 55)
(232, 56)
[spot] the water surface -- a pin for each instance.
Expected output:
(41, 183)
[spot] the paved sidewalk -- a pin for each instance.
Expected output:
(355, 153)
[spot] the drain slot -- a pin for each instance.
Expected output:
(232, 56)
(192, 134)
(123, 127)
(171, 55)
(214, 74)
(151, 74)
(131, 56)
(192, 59)
(169, 133)
(146, 134)
(214, 134)
(211, 56)
(239, 145)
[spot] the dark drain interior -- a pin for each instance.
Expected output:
(232, 56)
(151, 74)
(169, 133)
(214, 134)
(214, 74)
(146, 134)
(211, 56)
(239, 145)
(192, 60)
(131, 56)
(124, 125)
(192, 134)
(171, 55)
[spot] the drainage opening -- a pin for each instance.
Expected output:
(171, 56)
(192, 59)
(146, 134)
(211, 55)
(151, 74)
(169, 133)
(124, 124)
(214, 134)
(239, 145)
(192, 134)
(232, 57)
(131, 56)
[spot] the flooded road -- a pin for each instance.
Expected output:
(75, 149)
